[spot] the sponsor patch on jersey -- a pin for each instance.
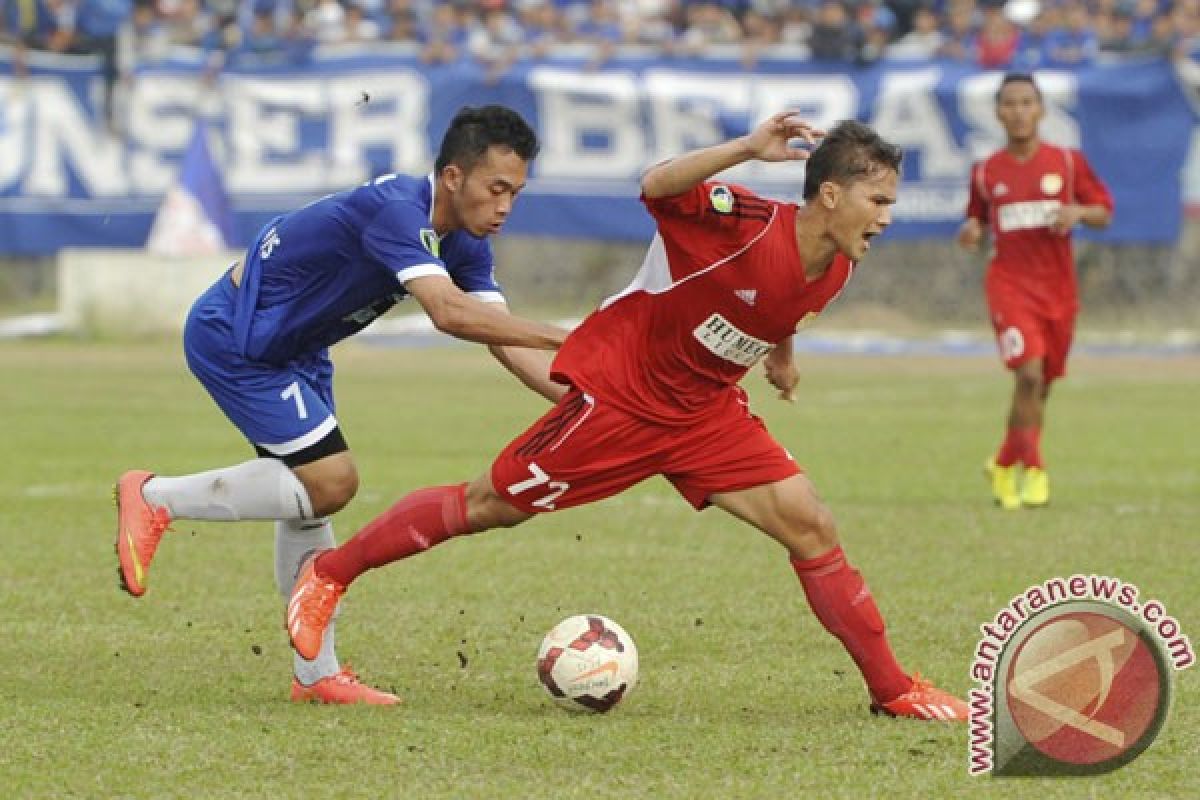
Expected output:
(1052, 183)
(1027, 215)
(430, 240)
(724, 340)
(721, 198)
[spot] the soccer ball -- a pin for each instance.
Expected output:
(588, 663)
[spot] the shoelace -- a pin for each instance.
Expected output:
(317, 611)
(347, 676)
(919, 684)
(160, 523)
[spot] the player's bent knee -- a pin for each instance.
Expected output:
(809, 529)
(486, 509)
(1029, 378)
(330, 488)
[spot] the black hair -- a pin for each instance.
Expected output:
(1019, 77)
(474, 130)
(850, 151)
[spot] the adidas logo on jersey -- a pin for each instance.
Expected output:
(747, 296)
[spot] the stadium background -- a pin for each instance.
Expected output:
(100, 96)
(183, 693)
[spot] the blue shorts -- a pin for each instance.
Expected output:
(282, 409)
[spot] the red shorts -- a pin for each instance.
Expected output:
(1023, 334)
(584, 450)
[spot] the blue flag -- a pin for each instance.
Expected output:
(195, 217)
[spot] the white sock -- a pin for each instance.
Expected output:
(294, 541)
(260, 489)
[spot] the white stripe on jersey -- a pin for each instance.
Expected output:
(488, 297)
(300, 442)
(420, 271)
(654, 276)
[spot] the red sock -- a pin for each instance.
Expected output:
(1012, 448)
(843, 603)
(414, 524)
(1031, 453)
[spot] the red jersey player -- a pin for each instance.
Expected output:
(653, 376)
(1030, 195)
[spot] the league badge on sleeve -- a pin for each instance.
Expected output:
(721, 198)
(430, 240)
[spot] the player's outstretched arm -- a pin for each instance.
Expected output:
(532, 368)
(770, 141)
(457, 313)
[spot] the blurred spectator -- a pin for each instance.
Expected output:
(959, 43)
(834, 36)
(1118, 34)
(401, 23)
(1075, 41)
(761, 33)
(994, 34)
(1144, 14)
(924, 41)
(796, 30)
(708, 24)
(359, 27)
(444, 38)
(648, 22)
(905, 13)
(31, 23)
(94, 31)
(998, 38)
(326, 22)
(186, 23)
(876, 23)
(543, 27)
(496, 44)
(260, 38)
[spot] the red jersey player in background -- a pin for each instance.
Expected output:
(1030, 195)
(653, 376)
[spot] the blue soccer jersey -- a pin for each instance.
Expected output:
(326, 271)
(312, 278)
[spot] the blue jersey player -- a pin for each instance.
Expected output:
(258, 341)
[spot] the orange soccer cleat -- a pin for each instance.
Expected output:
(924, 701)
(310, 608)
(343, 688)
(140, 527)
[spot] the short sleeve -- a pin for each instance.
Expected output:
(690, 204)
(471, 266)
(977, 204)
(402, 240)
(1089, 189)
(708, 223)
(713, 211)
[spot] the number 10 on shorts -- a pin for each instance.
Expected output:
(540, 479)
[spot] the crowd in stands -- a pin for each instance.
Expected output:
(1014, 34)
(990, 33)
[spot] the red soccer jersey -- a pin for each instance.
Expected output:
(1017, 199)
(720, 286)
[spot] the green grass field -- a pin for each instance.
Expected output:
(183, 693)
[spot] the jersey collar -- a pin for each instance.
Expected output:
(433, 188)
